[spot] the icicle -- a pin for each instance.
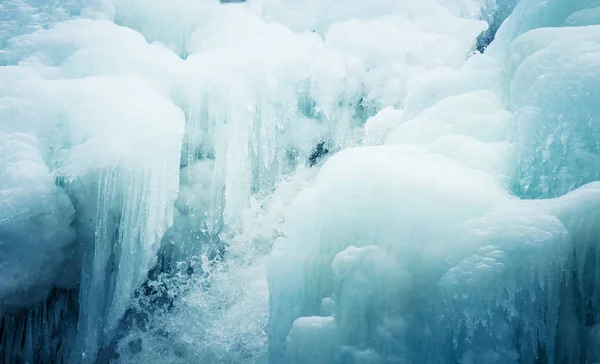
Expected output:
(33, 336)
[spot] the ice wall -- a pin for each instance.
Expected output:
(97, 147)
(442, 257)
(160, 157)
(296, 89)
(108, 99)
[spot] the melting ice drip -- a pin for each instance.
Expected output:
(326, 182)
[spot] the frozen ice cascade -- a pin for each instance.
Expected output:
(300, 182)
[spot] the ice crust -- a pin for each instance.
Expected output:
(158, 201)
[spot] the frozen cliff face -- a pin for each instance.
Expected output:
(103, 103)
(117, 159)
(418, 251)
(282, 182)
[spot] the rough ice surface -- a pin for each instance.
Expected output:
(274, 181)
(35, 218)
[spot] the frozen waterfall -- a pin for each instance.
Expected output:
(300, 182)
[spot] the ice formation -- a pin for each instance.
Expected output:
(439, 247)
(274, 181)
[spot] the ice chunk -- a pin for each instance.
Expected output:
(400, 220)
(578, 212)
(494, 158)
(134, 179)
(23, 17)
(495, 258)
(379, 126)
(116, 154)
(479, 115)
(317, 15)
(482, 259)
(313, 340)
(398, 67)
(37, 251)
(442, 83)
(494, 292)
(368, 282)
(83, 47)
(590, 16)
(532, 14)
(555, 121)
